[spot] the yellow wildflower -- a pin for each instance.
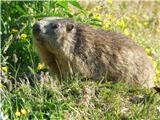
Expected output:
(110, 1)
(126, 32)
(70, 9)
(120, 23)
(23, 35)
(154, 64)
(23, 111)
(107, 24)
(40, 66)
(158, 72)
(17, 113)
(145, 24)
(5, 69)
(14, 30)
(108, 16)
(97, 16)
(148, 51)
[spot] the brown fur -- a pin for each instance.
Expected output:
(79, 48)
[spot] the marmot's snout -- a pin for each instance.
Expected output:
(36, 28)
(39, 30)
(44, 28)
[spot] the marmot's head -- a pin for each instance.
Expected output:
(52, 32)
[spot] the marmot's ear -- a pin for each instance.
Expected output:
(69, 27)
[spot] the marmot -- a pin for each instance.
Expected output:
(70, 47)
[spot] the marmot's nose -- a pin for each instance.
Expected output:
(36, 28)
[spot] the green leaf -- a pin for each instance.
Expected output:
(63, 4)
(20, 9)
(76, 4)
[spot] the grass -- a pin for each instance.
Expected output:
(79, 99)
(29, 92)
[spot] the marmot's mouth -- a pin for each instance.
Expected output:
(38, 38)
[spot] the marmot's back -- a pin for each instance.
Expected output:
(64, 44)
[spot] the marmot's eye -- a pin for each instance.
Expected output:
(70, 26)
(54, 26)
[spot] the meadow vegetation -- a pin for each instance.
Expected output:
(29, 92)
